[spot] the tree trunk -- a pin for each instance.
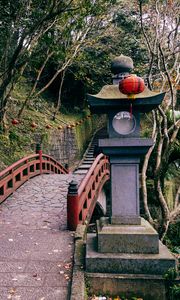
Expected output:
(35, 84)
(144, 187)
(59, 95)
(164, 208)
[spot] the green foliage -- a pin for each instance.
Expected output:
(170, 275)
(29, 31)
(173, 290)
(176, 249)
(21, 140)
(173, 235)
(84, 131)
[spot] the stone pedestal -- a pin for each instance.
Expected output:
(127, 263)
(126, 238)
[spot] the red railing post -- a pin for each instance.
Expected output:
(67, 167)
(72, 206)
(39, 151)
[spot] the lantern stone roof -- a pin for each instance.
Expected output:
(110, 97)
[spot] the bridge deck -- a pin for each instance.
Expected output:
(35, 248)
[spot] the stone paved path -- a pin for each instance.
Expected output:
(36, 250)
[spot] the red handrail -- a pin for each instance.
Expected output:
(81, 202)
(36, 164)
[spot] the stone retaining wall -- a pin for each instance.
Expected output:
(67, 145)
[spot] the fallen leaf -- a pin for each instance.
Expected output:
(67, 266)
(12, 291)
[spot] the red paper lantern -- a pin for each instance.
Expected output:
(48, 126)
(132, 85)
(33, 125)
(15, 122)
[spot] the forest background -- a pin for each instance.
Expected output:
(54, 52)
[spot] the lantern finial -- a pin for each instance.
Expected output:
(122, 64)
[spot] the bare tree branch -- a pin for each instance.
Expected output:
(144, 171)
(169, 81)
(142, 27)
(49, 54)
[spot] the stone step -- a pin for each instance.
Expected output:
(88, 161)
(126, 263)
(80, 172)
(147, 287)
(84, 166)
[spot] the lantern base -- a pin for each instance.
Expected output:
(127, 238)
(127, 263)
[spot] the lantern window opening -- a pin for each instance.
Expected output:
(124, 123)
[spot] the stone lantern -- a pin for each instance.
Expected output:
(125, 243)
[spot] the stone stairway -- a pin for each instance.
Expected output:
(90, 154)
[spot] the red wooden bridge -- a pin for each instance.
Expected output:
(38, 217)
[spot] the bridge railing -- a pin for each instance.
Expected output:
(36, 164)
(82, 200)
